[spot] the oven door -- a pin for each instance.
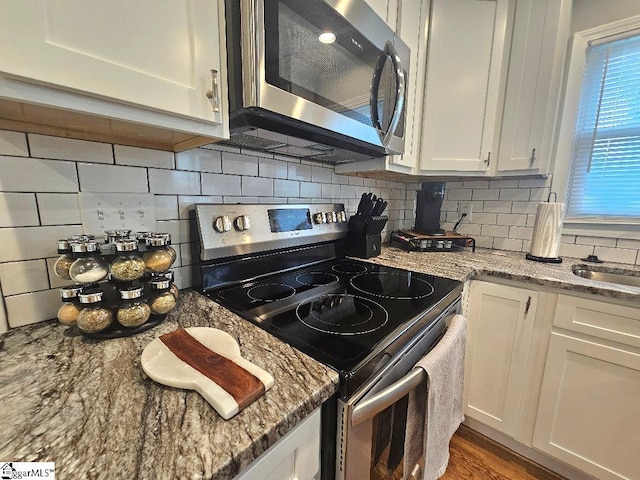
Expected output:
(330, 63)
(373, 422)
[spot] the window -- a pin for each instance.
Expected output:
(604, 178)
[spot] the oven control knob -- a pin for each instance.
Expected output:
(222, 224)
(319, 218)
(342, 216)
(242, 223)
(331, 217)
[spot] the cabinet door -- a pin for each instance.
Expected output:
(413, 27)
(538, 44)
(589, 413)
(296, 456)
(158, 55)
(464, 78)
(501, 320)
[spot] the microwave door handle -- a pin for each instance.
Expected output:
(387, 397)
(400, 92)
(375, 91)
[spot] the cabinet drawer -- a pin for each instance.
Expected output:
(604, 320)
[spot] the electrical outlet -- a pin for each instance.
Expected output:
(117, 211)
(466, 208)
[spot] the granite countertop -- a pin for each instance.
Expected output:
(88, 406)
(509, 266)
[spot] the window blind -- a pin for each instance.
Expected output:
(604, 179)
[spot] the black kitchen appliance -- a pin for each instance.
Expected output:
(283, 267)
(428, 208)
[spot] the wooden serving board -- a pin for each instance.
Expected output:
(208, 361)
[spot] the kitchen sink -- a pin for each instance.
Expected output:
(621, 277)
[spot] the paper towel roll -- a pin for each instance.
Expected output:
(547, 230)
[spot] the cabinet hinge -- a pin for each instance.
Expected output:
(488, 159)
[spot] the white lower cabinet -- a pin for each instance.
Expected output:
(296, 456)
(589, 410)
(501, 322)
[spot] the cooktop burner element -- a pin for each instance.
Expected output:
(317, 278)
(400, 286)
(346, 266)
(270, 292)
(342, 314)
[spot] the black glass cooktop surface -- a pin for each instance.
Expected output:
(338, 311)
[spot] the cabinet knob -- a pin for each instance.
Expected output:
(213, 94)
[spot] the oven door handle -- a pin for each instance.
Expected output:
(387, 397)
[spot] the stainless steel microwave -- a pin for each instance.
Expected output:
(317, 79)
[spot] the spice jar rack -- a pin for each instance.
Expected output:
(116, 282)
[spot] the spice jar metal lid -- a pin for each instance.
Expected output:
(93, 296)
(64, 246)
(129, 293)
(143, 235)
(158, 240)
(160, 283)
(126, 245)
(67, 293)
(112, 236)
(84, 237)
(90, 246)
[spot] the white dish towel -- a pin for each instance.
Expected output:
(436, 410)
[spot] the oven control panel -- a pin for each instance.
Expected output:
(227, 230)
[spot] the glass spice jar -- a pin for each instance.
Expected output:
(159, 255)
(127, 265)
(94, 316)
(70, 309)
(64, 261)
(133, 310)
(161, 299)
(114, 236)
(88, 266)
(171, 250)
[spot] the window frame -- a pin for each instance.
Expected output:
(579, 42)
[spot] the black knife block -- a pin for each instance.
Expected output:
(364, 239)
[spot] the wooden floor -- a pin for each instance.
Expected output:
(476, 457)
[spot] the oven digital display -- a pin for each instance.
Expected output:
(289, 219)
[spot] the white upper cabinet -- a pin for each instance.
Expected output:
(538, 45)
(153, 63)
(466, 71)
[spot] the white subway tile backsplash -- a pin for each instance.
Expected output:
(34, 307)
(28, 243)
(182, 277)
(174, 182)
(484, 218)
(23, 277)
(513, 219)
(497, 184)
(59, 148)
(620, 255)
(4, 324)
(515, 194)
(596, 241)
(475, 184)
(238, 164)
(632, 244)
(272, 200)
(59, 208)
(534, 182)
(338, 179)
(286, 188)
(185, 254)
(321, 174)
(229, 199)
(524, 207)
(261, 187)
(512, 244)
(299, 172)
(462, 194)
(495, 231)
(540, 195)
(270, 168)
(359, 181)
(524, 233)
(18, 210)
(143, 157)
(494, 206)
(485, 194)
(179, 230)
(200, 160)
(330, 190)
(13, 144)
(219, 184)
(576, 251)
(483, 242)
(186, 203)
(311, 190)
(348, 191)
(35, 175)
(112, 179)
(166, 207)
(469, 229)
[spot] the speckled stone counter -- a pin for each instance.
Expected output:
(509, 266)
(88, 406)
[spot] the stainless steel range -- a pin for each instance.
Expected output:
(283, 267)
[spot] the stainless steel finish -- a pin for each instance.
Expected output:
(355, 414)
(130, 293)
(390, 395)
(319, 218)
(618, 277)
(260, 238)
(92, 297)
(126, 245)
(213, 94)
(70, 292)
(256, 92)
